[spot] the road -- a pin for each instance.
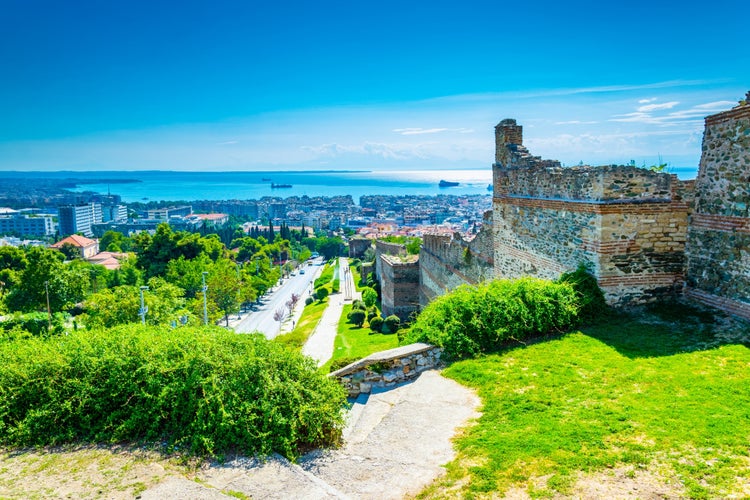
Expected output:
(261, 319)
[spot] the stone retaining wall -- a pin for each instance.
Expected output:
(388, 368)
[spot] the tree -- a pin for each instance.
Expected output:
(321, 293)
(357, 316)
(47, 275)
(369, 296)
(224, 287)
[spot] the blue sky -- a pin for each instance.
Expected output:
(92, 85)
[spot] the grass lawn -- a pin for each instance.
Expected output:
(355, 342)
(307, 322)
(657, 395)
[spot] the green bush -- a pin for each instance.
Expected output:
(338, 364)
(474, 320)
(369, 296)
(372, 312)
(202, 391)
(376, 324)
(358, 304)
(309, 300)
(357, 316)
(391, 324)
(335, 284)
(592, 305)
(36, 323)
(321, 293)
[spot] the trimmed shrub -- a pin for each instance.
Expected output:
(202, 391)
(473, 320)
(376, 324)
(391, 324)
(309, 300)
(358, 304)
(372, 312)
(357, 316)
(321, 293)
(592, 305)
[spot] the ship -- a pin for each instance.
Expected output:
(445, 184)
(280, 186)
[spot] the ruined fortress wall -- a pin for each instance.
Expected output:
(399, 286)
(628, 225)
(385, 248)
(718, 246)
(446, 262)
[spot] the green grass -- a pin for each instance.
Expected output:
(355, 342)
(633, 394)
(305, 326)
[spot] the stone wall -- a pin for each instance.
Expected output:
(718, 248)
(446, 262)
(385, 248)
(358, 246)
(388, 368)
(399, 285)
(628, 225)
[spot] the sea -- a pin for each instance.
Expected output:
(135, 186)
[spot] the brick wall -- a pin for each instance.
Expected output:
(718, 248)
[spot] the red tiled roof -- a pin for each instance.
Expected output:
(76, 240)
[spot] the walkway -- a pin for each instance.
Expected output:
(395, 445)
(320, 344)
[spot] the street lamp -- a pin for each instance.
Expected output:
(205, 303)
(143, 310)
(49, 311)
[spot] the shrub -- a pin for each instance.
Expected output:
(206, 392)
(36, 323)
(592, 305)
(357, 316)
(309, 300)
(372, 312)
(369, 296)
(321, 293)
(335, 284)
(358, 304)
(338, 364)
(391, 324)
(474, 320)
(376, 324)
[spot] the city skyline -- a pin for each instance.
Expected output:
(235, 86)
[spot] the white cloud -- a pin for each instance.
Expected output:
(715, 106)
(419, 131)
(646, 101)
(655, 107)
(576, 122)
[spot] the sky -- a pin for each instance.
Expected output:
(251, 85)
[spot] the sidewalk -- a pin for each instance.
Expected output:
(320, 344)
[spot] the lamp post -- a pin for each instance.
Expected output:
(143, 310)
(205, 303)
(49, 311)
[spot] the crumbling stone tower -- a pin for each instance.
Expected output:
(628, 225)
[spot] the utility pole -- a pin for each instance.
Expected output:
(49, 311)
(143, 310)
(205, 303)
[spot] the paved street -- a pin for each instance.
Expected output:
(261, 319)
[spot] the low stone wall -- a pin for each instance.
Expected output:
(388, 368)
